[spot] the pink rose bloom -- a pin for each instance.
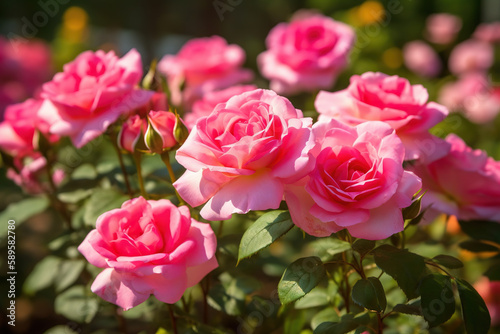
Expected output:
(240, 156)
(474, 96)
(209, 101)
(306, 54)
(490, 292)
(471, 56)
(148, 247)
(17, 131)
(24, 66)
(393, 100)
(488, 32)
(465, 183)
(443, 28)
(203, 65)
(358, 183)
(32, 176)
(92, 92)
(421, 59)
(136, 127)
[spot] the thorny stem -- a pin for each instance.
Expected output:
(221, 226)
(122, 166)
(165, 157)
(137, 161)
(380, 323)
(204, 290)
(122, 325)
(172, 318)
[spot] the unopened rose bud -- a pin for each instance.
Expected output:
(150, 80)
(181, 132)
(153, 139)
(130, 133)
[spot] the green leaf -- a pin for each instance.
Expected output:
(326, 315)
(405, 267)
(229, 296)
(68, 272)
(408, 309)
(474, 311)
(63, 329)
(21, 211)
(438, 301)
(300, 278)
(481, 230)
(267, 229)
(347, 323)
(77, 304)
(43, 275)
(363, 246)
(102, 200)
(294, 323)
(326, 248)
(493, 273)
(477, 246)
(370, 294)
(317, 297)
(448, 261)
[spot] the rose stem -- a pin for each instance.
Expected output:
(122, 325)
(172, 317)
(122, 166)
(165, 157)
(137, 161)
(57, 204)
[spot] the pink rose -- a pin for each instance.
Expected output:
(136, 127)
(471, 56)
(464, 183)
(210, 100)
(240, 156)
(148, 247)
(17, 131)
(92, 92)
(490, 292)
(421, 59)
(393, 100)
(32, 175)
(358, 183)
(443, 28)
(474, 95)
(306, 54)
(203, 65)
(488, 32)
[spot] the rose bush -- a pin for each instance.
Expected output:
(391, 99)
(91, 93)
(148, 247)
(240, 156)
(306, 54)
(358, 183)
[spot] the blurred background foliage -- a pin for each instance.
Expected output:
(158, 27)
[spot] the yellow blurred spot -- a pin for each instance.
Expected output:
(453, 227)
(393, 57)
(370, 12)
(75, 18)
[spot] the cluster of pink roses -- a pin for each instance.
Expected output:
(473, 93)
(250, 149)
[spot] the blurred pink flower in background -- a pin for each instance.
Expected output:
(474, 95)
(442, 28)
(210, 100)
(358, 183)
(393, 100)
(148, 247)
(24, 66)
(465, 183)
(306, 54)
(240, 156)
(421, 59)
(18, 129)
(488, 32)
(32, 177)
(471, 56)
(91, 93)
(201, 66)
(490, 292)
